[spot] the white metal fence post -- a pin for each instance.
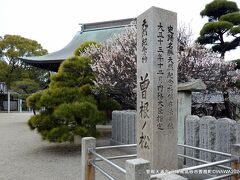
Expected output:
(9, 102)
(20, 105)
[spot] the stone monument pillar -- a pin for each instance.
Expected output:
(157, 88)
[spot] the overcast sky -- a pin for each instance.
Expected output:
(53, 23)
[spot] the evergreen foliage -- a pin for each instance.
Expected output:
(223, 21)
(234, 17)
(84, 46)
(217, 8)
(71, 104)
(18, 76)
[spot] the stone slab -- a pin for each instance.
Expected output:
(207, 137)
(192, 138)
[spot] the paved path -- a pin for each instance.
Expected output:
(24, 156)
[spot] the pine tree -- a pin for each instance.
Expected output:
(70, 107)
(223, 21)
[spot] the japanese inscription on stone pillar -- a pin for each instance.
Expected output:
(157, 88)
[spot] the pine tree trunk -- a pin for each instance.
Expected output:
(228, 110)
(227, 104)
(34, 112)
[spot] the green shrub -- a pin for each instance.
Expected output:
(83, 46)
(70, 105)
(33, 101)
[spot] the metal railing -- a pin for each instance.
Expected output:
(202, 166)
(208, 164)
(117, 157)
(205, 150)
(203, 161)
(106, 160)
(117, 146)
(96, 157)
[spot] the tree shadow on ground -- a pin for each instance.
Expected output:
(59, 149)
(63, 149)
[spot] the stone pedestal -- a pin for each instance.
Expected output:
(136, 169)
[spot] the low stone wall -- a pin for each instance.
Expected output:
(124, 127)
(206, 132)
(210, 133)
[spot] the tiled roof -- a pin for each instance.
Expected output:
(98, 32)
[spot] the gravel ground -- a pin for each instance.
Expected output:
(24, 156)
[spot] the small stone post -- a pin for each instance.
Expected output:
(235, 151)
(137, 169)
(87, 170)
